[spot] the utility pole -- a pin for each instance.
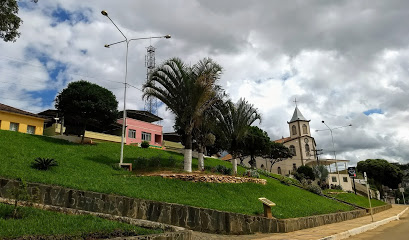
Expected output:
(317, 152)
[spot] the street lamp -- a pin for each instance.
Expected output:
(105, 13)
(333, 146)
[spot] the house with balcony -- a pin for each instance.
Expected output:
(18, 120)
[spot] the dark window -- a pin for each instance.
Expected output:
(304, 129)
(146, 136)
(307, 149)
(334, 179)
(294, 129)
(279, 170)
(131, 133)
(292, 150)
(345, 179)
(294, 167)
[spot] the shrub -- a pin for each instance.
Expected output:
(251, 173)
(222, 170)
(145, 144)
(43, 163)
(314, 189)
(285, 180)
(306, 171)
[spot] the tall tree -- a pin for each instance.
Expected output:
(233, 124)
(277, 152)
(83, 103)
(381, 171)
(256, 143)
(187, 91)
(9, 21)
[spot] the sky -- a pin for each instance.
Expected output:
(346, 62)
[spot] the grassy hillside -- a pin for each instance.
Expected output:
(89, 167)
(355, 199)
(35, 222)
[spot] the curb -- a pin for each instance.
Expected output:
(364, 228)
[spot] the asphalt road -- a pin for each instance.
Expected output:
(396, 230)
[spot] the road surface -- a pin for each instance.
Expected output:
(396, 230)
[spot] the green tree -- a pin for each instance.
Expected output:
(83, 104)
(9, 21)
(256, 143)
(233, 124)
(305, 172)
(321, 173)
(277, 152)
(188, 91)
(381, 171)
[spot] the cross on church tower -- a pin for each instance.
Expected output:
(295, 101)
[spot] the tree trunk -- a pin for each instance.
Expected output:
(234, 162)
(201, 158)
(188, 153)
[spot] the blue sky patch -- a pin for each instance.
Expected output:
(372, 111)
(61, 15)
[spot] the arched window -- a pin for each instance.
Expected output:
(292, 150)
(279, 170)
(294, 129)
(304, 129)
(307, 149)
(294, 167)
(262, 166)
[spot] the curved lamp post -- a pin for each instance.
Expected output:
(333, 146)
(105, 13)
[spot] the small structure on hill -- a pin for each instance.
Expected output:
(18, 120)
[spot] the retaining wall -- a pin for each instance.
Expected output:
(194, 218)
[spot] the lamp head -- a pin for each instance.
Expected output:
(350, 125)
(322, 121)
(103, 12)
(167, 36)
(106, 45)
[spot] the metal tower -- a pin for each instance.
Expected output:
(151, 104)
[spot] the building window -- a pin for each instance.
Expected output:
(307, 149)
(14, 127)
(345, 179)
(146, 136)
(304, 129)
(279, 170)
(294, 167)
(262, 166)
(31, 129)
(294, 129)
(131, 133)
(334, 179)
(292, 150)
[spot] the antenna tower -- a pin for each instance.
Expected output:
(151, 104)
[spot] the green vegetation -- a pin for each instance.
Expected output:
(40, 222)
(352, 198)
(89, 167)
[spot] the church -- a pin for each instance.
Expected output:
(300, 143)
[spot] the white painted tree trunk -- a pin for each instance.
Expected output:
(188, 160)
(201, 161)
(234, 162)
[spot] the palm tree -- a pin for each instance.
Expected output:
(187, 91)
(233, 124)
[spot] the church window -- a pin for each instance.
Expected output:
(294, 167)
(294, 129)
(292, 150)
(279, 170)
(307, 149)
(262, 166)
(304, 129)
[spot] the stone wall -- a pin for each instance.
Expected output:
(212, 178)
(379, 209)
(194, 218)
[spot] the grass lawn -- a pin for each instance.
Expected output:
(355, 199)
(40, 222)
(89, 167)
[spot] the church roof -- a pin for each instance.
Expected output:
(297, 116)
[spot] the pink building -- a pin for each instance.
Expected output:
(140, 128)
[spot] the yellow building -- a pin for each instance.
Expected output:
(14, 119)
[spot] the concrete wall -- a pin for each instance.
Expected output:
(194, 218)
(6, 118)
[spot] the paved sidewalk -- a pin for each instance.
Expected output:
(310, 233)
